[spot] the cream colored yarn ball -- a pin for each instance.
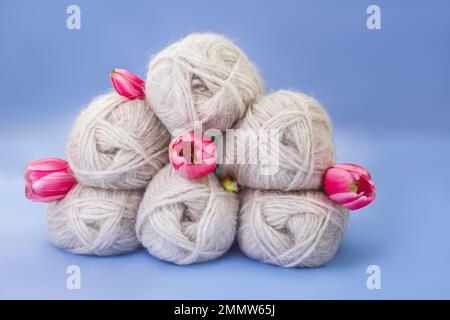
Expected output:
(202, 78)
(305, 144)
(94, 221)
(290, 229)
(186, 221)
(117, 143)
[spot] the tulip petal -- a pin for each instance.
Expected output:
(210, 150)
(33, 176)
(176, 160)
(357, 204)
(128, 84)
(193, 171)
(366, 186)
(344, 197)
(192, 155)
(50, 164)
(28, 192)
(131, 77)
(337, 181)
(48, 180)
(351, 167)
(37, 198)
(34, 197)
(349, 185)
(209, 161)
(53, 184)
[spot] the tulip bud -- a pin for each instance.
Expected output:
(349, 185)
(230, 185)
(192, 155)
(128, 84)
(48, 180)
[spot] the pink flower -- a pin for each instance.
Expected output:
(192, 155)
(349, 185)
(128, 84)
(48, 180)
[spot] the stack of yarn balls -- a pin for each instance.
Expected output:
(128, 194)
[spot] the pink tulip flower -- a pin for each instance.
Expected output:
(48, 180)
(192, 155)
(128, 84)
(349, 185)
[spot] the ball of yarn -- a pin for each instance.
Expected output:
(285, 141)
(186, 221)
(202, 78)
(94, 221)
(290, 229)
(117, 143)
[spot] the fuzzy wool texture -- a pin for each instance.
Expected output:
(300, 127)
(118, 147)
(93, 221)
(202, 78)
(186, 221)
(117, 143)
(290, 229)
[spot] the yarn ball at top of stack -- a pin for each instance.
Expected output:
(202, 78)
(186, 221)
(293, 144)
(94, 221)
(117, 143)
(290, 229)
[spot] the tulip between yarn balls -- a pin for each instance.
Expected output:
(117, 143)
(202, 78)
(95, 221)
(186, 221)
(290, 229)
(293, 144)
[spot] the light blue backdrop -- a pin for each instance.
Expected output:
(387, 90)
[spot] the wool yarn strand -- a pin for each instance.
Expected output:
(305, 146)
(117, 143)
(186, 221)
(201, 78)
(94, 221)
(290, 229)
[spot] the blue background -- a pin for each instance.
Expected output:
(387, 90)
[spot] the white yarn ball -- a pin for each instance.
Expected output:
(203, 77)
(117, 143)
(186, 221)
(305, 141)
(290, 229)
(94, 221)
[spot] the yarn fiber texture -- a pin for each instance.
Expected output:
(202, 78)
(186, 221)
(290, 229)
(94, 221)
(305, 144)
(117, 143)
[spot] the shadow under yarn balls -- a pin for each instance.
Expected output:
(117, 143)
(186, 221)
(94, 221)
(290, 229)
(284, 142)
(203, 77)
